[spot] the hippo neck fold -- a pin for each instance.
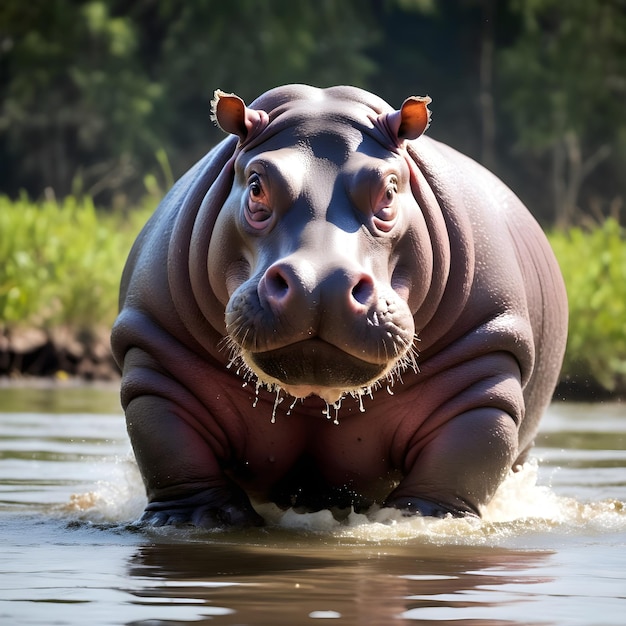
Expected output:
(451, 239)
(197, 306)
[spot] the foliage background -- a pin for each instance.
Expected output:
(91, 91)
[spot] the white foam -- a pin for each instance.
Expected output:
(520, 506)
(120, 498)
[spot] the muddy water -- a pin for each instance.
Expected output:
(551, 548)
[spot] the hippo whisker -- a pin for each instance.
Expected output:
(228, 344)
(408, 361)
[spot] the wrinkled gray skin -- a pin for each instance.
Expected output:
(325, 250)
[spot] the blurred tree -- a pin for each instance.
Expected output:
(563, 84)
(92, 90)
(246, 47)
(437, 49)
(111, 98)
(75, 105)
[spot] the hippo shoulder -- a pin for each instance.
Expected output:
(155, 289)
(493, 237)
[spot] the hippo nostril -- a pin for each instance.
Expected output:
(276, 284)
(363, 291)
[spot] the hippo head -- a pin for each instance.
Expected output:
(320, 254)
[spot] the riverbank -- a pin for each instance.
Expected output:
(60, 353)
(60, 268)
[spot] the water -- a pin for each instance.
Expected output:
(550, 550)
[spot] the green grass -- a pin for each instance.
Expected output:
(60, 263)
(60, 266)
(593, 262)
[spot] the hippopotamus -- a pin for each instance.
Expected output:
(332, 310)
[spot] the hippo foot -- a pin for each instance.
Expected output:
(209, 509)
(429, 508)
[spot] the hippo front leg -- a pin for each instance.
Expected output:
(184, 481)
(460, 468)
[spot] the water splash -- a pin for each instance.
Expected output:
(520, 507)
(120, 498)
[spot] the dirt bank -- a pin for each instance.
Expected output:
(59, 352)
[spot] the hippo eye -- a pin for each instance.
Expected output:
(255, 187)
(386, 210)
(257, 210)
(391, 190)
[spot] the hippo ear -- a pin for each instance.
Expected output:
(410, 121)
(233, 116)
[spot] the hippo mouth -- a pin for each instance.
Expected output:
(316, 364)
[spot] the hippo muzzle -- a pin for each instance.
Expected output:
(328, 337)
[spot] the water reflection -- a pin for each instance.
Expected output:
(290, 584)
(46, 397)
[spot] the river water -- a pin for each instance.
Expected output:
(551, 548)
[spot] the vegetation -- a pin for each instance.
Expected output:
(108, 100)
(593, 262)
(60, 263)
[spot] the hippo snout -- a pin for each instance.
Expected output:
(309, 327)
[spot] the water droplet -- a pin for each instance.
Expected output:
(337, 406)
(361, 407)
(256, 399)
(293, 404)
(277, 401)
(326, 411)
